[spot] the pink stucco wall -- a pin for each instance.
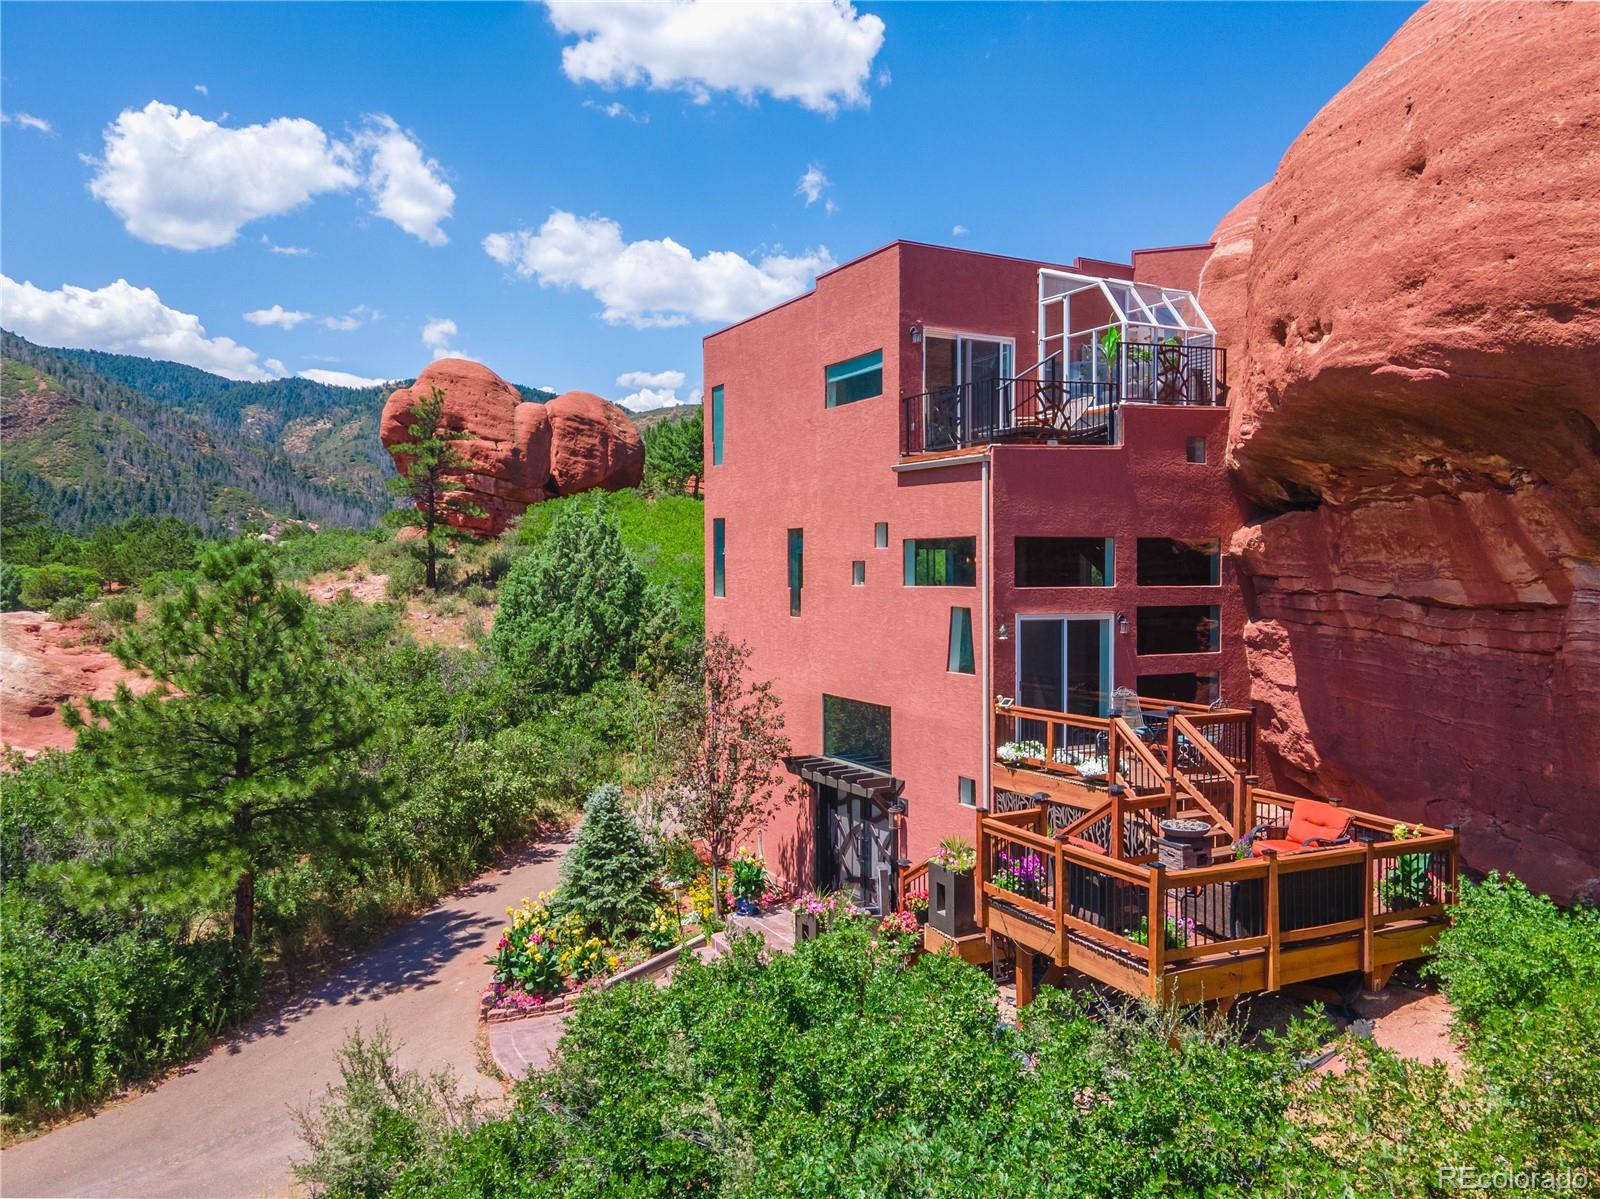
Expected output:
(791, 462)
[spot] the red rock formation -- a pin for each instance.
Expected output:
(44, 666)
(1412, 307)
(520, 452)
(594, 444)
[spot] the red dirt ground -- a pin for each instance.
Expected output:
(44, 664)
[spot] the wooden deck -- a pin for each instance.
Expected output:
(1068, 865)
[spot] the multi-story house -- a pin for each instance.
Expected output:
(941, 476)
(968, 512)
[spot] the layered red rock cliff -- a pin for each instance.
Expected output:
(520, 452)
(1412, 308)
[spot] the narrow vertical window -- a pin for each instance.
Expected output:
(719, 549)
(797, 568)
(880, 535)
(967, 792)
(1197, 449)
(959, 658)
(858, 574)
(716, 426)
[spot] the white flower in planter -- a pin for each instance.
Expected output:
(1013, 752)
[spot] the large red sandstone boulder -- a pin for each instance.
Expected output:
(594, 444)
(509, 446)
(520, 453)
(1412, 308)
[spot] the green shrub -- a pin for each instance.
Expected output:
(44, 585)
(69, 608)
(377, 1120)
(10, 587)
(608, 877)
(118, 609)
(88, 1010)
(405, 576)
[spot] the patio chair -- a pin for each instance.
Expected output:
(1312, 825)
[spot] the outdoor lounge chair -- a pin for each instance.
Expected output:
(1313, 825)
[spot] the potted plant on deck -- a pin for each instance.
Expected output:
(950, 888)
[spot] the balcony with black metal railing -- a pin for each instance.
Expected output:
(1040, 408)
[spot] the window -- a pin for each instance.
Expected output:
(797, 568)
(719, 550)
(856, 379)
(855, 731)
(959, 658)
(1166, 562)
(858, 574)
(1186, 688)
(880, 535)
(1064, 561)
(942, 562)
(1179, 629)
(716, 426)
(1197, 449)
(967, 792)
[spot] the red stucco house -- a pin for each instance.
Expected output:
(942, 477)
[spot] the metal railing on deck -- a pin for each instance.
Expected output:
(1163, 922)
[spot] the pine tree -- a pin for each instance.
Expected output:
(571, 612)
(609, 877)
(674, 453)
(428, 461)
(240, 759)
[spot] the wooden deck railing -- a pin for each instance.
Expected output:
(1219, 930)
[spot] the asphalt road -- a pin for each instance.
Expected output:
(224, 1127)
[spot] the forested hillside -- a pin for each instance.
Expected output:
(90, 450)
(94, 438)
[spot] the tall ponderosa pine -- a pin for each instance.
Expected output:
(571, 611)
(730, 771)
(431, 459)
(240, 759)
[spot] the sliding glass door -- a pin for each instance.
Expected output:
(1064, 664)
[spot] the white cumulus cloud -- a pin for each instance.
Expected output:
(283, 318)
(27, 121)
(287, 251)
(354, 319)
(959, 231)
(652, 284)
(124, 319)
(202, 89)
(178, 179)
(647, 398)
(816, 54)
(341, 378)
(407, 188)
(617, 109)
(671, 379)
(437, 335)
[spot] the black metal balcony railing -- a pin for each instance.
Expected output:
(1065, 411)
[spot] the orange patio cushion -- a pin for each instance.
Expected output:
(1085, 843)
(1313, 819)
(1277, 844)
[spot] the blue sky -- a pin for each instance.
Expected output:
(379, 183)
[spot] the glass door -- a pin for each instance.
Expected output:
(856, 849)
(1064, 665)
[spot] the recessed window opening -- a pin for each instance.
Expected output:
(1064, 561)
(1177, 562)
(880, 535)
(856, 731)
(719, 556)
(855, 379)
(1178, 629)
(858, 574)
(1197, 449)
(958, 659)
(941, 562)
(1184, 688)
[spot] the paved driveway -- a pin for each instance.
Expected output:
(224, 1127)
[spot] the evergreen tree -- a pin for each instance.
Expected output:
(571, 611)
(674, 454)
(427, 463)
(240, 759)
(609, 877)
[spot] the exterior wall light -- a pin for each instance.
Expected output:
(1122, 623)
(1003, 633)
(916, 335)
